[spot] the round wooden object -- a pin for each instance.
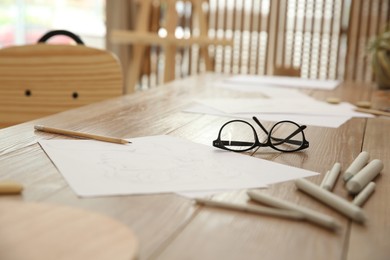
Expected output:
(333, 100)
(42, 231)
(363, 104)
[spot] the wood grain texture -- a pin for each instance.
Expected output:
(39, 231)
(42, 79)
(373, 240)
(172, 227)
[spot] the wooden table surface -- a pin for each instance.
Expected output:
(169, 226)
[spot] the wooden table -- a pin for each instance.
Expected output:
(172, 227)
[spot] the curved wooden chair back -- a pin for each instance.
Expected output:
(43, 79)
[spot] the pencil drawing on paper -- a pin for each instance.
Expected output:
(167, 165)
(158, 164)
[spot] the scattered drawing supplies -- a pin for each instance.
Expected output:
(358, 178)
(310, 215)
(341, 205)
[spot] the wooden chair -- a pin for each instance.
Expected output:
(43, 79)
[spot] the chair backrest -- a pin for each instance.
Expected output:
(43, 79)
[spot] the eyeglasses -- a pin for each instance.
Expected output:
(240, 136)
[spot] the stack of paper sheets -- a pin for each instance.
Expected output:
(281, 101)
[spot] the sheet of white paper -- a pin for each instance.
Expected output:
(281, 106)
(292, 82)
(159, 164)
(314, 120)
(267, 91)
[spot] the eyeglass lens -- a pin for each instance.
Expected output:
(286, 136)
(238, 136)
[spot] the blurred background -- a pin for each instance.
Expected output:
(319, 39)
(25, 21)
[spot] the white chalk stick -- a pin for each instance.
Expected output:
(364, 176)
(363, 196)
(252, 209)
(324, 179)
(311, 215)
(360, 161)
(332, 178)
(341, 205)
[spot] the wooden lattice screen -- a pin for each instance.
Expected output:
(324, 39)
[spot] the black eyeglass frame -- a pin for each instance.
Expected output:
(305, 144)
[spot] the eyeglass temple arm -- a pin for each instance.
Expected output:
(259, 124)
(287, 139)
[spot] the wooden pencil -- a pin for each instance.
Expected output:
(372, 111)
(252, 209)
(10, 187)
(80, 134)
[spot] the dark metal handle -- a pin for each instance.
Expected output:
(50, 34)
